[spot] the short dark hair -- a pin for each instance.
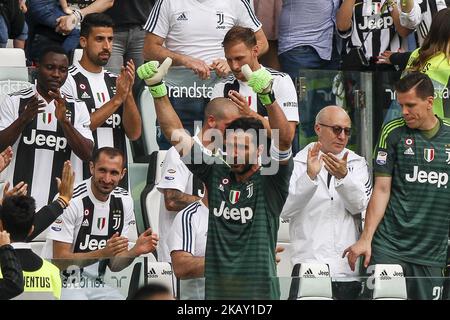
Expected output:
(17, 215)
(149, 291)
(109, 151)
(93, 20)
(51, 49)
(418, 81)
(247, 123)
(240, 34)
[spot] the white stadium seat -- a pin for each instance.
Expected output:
(311, 281)
(389, 282)
(150, 196)
(283, 231)
(77, 54)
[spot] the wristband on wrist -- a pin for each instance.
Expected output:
(158, 90)
(78, 14)
(266, 98)
(63, 201)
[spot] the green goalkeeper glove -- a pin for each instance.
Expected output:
(261, 82)
(153, 73)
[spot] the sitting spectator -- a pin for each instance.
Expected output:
(50, 25)
(12, 23)
(329, 189)
(16, 217)
(371, 27)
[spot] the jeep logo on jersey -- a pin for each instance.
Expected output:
(48, 141)
(428, 154)
(438, 178)
(92, 244)
(234, 196)
(369, 23)
(114, 120)
(236, 214)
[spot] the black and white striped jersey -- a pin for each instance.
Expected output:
(96, 89)
(42, 148)
(372, 28)
(283, 88)
(428, 9)
(87, 223)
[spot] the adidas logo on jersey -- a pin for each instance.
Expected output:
(439, 179)
(236, 214)
(182, 17)
(85, 223)
(85, 95)
(92, 244)
(409, 152)
(152, 273)
(41, 140)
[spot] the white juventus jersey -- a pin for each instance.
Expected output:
(188, 233)
(197, 29)
(87, 223)
(96, 89)
(175, 175)
(42, 148)
(283, 88)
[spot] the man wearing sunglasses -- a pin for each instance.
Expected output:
(329, 188)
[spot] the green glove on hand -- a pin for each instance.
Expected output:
(261, 82)
(153, 73)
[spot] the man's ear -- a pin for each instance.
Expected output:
(91, 168)
(211, 121)
(31, 230)
(316, 129)
(124, 171)
(430, 101)
(83, 42)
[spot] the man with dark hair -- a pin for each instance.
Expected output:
(44, 129)
(108, 97)
(241, 48)
(245, 200)
(407, 219)
(96, 225)
(42, 280)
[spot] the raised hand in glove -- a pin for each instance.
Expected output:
(153, 73)
(261, 82)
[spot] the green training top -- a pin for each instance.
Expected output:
(242, 230)
(416, 222)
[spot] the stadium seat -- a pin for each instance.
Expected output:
(77, 54)
(284, 267)
(37, 247)
(311, 281)
(148, 114)
(283, 231)
(150, 196)
(131, 278)
(160, 272)
(389, 282)
(13, 68)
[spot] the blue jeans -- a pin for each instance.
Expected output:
(188, 110)
(127, 44)
(45, 12)
(4, 36)
(306, 57)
